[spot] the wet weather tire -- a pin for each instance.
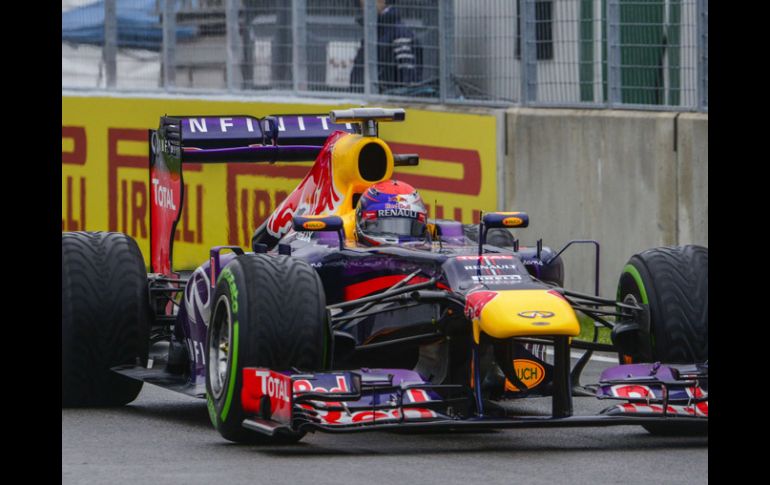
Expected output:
(269, 311)
(106, 317)
(673, 281)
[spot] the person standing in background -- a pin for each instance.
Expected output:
(398, 63)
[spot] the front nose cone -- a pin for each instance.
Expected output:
(521, 313)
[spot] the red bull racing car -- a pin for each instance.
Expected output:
(356, 311)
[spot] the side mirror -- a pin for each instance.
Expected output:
(505, 220)
(310, 223)
(317, 223)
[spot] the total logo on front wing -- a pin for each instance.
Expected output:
(274, 387)
(261, 383)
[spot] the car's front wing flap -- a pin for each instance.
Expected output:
(380, 399)
(656, 389)
(338, 399)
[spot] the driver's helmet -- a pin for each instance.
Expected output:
(391, 212)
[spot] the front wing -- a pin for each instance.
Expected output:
(387, 399)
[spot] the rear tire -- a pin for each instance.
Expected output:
(106, 317)
(673, 282)
(269, 311)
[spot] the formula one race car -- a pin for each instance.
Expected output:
(319, 329)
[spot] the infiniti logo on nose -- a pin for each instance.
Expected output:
(535, 314)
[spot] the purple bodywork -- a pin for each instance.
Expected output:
(196, 309)
(655, 389)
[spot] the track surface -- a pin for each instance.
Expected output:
(167, 438)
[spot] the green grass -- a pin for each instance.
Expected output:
(587, 330)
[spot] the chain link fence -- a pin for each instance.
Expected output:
(641, 54)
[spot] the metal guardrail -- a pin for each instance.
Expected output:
(639, 54)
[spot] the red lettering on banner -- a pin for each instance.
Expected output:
(439, 214)
(187, 234)
(261, 209)
(78, 155)
(470, 160)
(70, 223)
(458, 213)
(83, 203)
(138, 209)
(116, 160)
(74, 191)
(124, 205)
(241, 234)
(134, 206)
(245, 212)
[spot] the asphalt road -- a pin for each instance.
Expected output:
(166, 438)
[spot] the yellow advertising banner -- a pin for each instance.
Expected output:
(105, 170)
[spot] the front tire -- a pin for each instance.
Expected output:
(106, 317)
(673, 282)
(269, 311)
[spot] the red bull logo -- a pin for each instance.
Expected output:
(475, 302)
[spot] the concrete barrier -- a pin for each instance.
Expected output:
(693, 176)
(631, 180)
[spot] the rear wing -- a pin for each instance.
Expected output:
(238, 138)
(221, 139)
(242, 138)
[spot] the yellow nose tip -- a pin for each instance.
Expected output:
(522, 313)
